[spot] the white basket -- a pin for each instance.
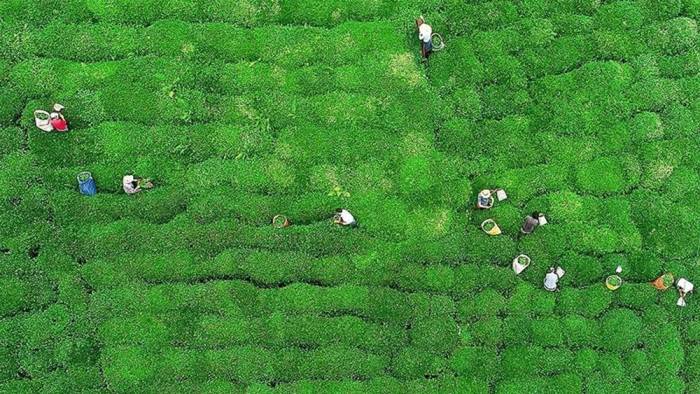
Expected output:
(42, 120)
(560, 272)
(501, 194)
(517, 267)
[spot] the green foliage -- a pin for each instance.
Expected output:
(585, 110)
(620, 329)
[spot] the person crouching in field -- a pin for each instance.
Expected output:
(343, 217)
(133, 185)
(51, 122)
(425, 32)
(58, 121)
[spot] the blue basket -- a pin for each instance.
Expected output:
(86, 184)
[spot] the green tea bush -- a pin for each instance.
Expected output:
(485, 304)
(663, 11)
(467, 103)
(647, 125)
(525, 299)
(484, 16)
(476, 362)
(601, 176)
(562, 55)
(680, 121)
(692, 332)
(517, 330)
(589, 302)
(502, 101)
(487, 332)
(585, 270)
(17, 291)
(636, 296)
(434, 335)
(585, 110)
(694, 361)
(411, 363)
(547, 333)
(680, 66)
(521, 362)
(676, 36)
(580, 332)
(617, 45)
(459, 67)
(620, 329)
(619, 16)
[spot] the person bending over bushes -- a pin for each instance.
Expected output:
(684, 287)
(55, 121)
(133, 185)
(552, 278)
(531, 222)
(343, 217)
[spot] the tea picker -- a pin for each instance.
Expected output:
(133, 185)
(551, 280)
(485, 198)
(532, 221)
(343, 217)
(684, 287)
(429, 42)
(54, 121)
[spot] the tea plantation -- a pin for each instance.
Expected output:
(586, 110)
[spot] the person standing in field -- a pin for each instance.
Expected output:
(425, 32)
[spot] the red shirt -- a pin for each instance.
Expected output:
(59, 124)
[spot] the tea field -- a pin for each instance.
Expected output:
(586, 110)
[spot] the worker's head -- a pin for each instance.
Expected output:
(338, 210)
(485, 193)
(535, 214)
(54, 115)
(419, 21)
(134, 184)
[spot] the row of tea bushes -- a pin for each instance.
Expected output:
(291, 46)
(240, 298)
(249, 13)
(272, 332)
(133, 368)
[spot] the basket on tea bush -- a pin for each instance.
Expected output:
(520, 263)
(613, 282)
(664, 281)
(280, 221)
(490, 227)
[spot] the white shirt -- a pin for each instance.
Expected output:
(684, 285)
(128, 187)
(346, 217)
(550, 281)
(424, 32)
